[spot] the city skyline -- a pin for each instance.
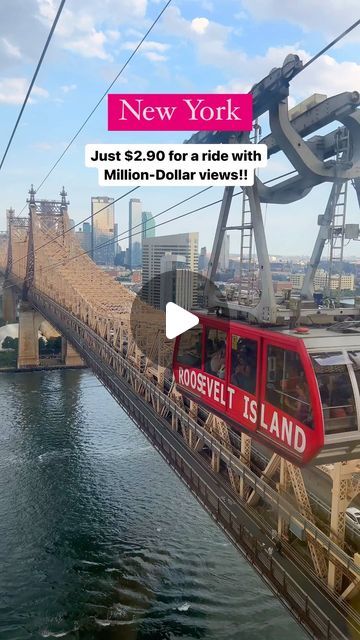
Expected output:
(82, 60)
(147, 228)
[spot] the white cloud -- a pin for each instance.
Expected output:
(210, 46)
(47, 9)
(90, 45)
(11, 50)
(207, 5)
(77, 30)
(148, 45)
(213, 48)
(115, 12)
(38, 91)
(326, 75)
(155, 57)
(199, 25)
(330, 17)
(134, 33)
(241, 15)
(13, 91)
(66, 88)
(151, 49)
(43, 146)
(112, 35)
(88, 28)
(329, 76)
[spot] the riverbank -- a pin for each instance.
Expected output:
(51, 367)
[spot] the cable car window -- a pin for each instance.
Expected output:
(336, 392)
(215, 353)
(355, 360)
(243, 363)
(190, 348)
(286, 384)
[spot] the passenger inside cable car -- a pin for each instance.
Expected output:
(336, 391)
(244, 364)
(190, 350)
(215, 353)
(286, 386)
(299, 401)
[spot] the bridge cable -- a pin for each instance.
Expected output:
(128, 60)
(53, 27)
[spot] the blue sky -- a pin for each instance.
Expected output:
(198, 46)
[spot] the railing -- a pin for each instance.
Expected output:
(352, 530)
(301, 605)
(282, 507)
(105, 361)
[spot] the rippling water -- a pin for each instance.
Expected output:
(99, 539)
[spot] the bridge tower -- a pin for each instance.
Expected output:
(52, 217)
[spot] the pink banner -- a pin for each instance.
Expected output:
(179, 112)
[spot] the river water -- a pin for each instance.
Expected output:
(98, 537)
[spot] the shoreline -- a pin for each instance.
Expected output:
(41, 368)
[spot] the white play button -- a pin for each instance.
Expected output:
(178, 320)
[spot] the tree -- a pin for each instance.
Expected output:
(10, 343)
(52, 346)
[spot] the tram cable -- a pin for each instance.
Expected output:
(48, 40)
(160, 224)
(113, 240)
(307, 64)
(328, 46)
(61, 235)
(121, 236)
(126, 63)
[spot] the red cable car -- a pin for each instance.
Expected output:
(295, 391)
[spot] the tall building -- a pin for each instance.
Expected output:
(173, 248)
(203, 259)
(176, 281)
(102, 230)
(148, 228)
(135, 220)
(321, 281)
(224, 254)
(83, 237)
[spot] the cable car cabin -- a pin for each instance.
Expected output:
(296, 393)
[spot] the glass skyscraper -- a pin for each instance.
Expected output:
(102, 230)
(135, 233)
(141, 226)
(148, 225)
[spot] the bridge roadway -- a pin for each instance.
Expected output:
(319, 486)
(320, 613)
